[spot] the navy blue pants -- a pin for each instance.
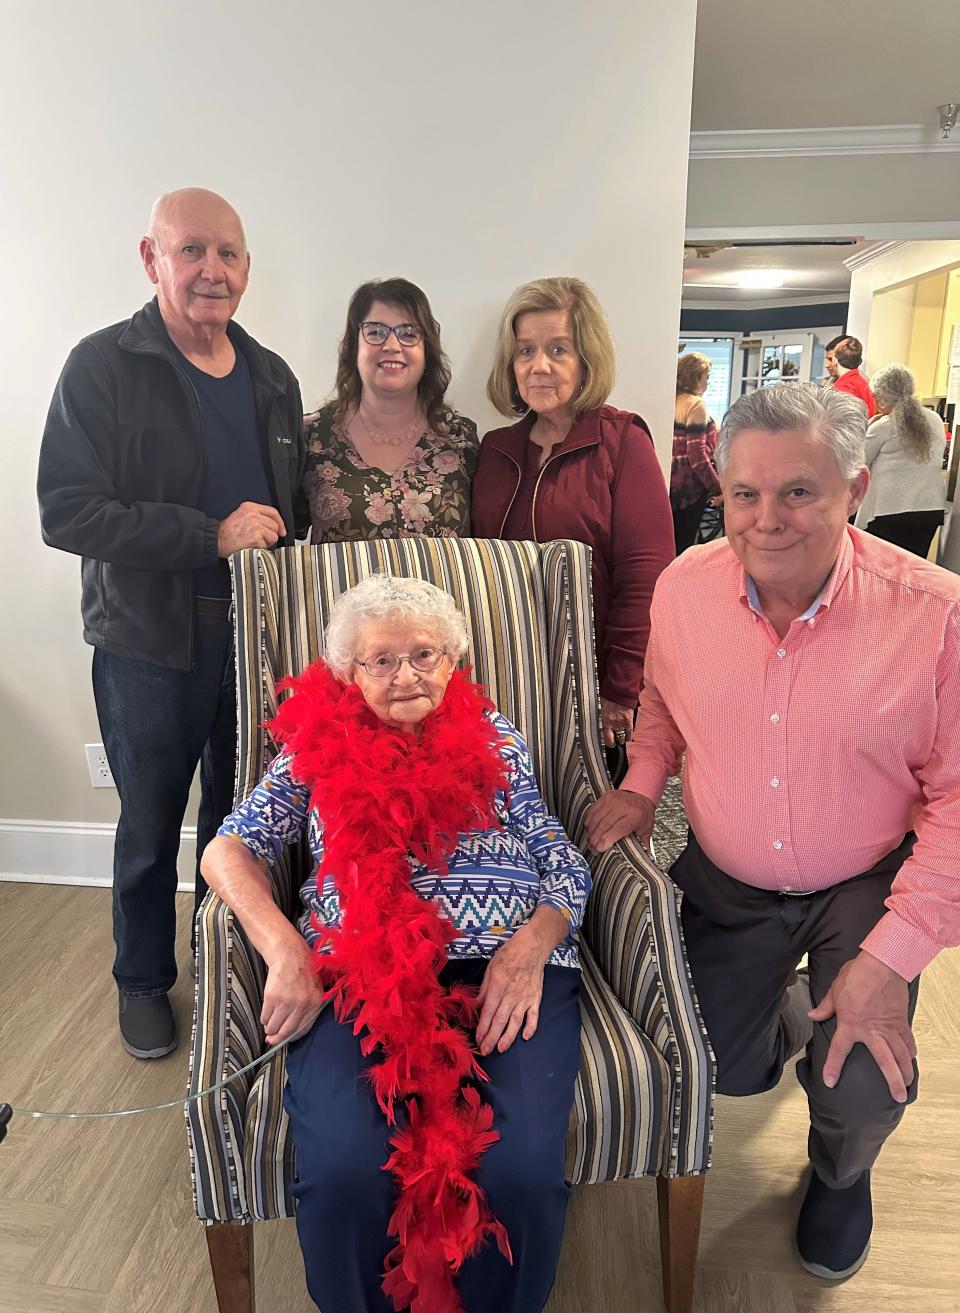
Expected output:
(344, 1199)
(157, 725)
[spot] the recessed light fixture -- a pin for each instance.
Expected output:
(761, 278)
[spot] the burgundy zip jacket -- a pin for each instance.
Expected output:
(602, 486)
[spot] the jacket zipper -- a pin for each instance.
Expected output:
(191, 389)
(506, 513)
(264, 401)
(533, 499)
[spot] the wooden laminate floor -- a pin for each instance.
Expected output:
(96, 1217)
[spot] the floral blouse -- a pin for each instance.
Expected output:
(428, 496)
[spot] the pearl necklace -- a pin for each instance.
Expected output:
(413, 431)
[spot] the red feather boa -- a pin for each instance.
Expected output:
(384, 794)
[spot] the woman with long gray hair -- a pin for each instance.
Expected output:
(904, 451)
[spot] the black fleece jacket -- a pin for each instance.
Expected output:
(121, 464)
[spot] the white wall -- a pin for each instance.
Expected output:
(468, 147)
(891, 311)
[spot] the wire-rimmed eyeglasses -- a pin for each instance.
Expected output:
(385, 664)
(376, 333)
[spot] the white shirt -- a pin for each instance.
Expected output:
(899, 483)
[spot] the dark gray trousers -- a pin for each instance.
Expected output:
(743, 946)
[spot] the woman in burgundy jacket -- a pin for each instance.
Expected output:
(574, 467)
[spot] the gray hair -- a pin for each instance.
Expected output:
(895, 388)
(838, 419)
(383, 596)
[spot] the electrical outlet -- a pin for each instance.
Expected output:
(98, 766)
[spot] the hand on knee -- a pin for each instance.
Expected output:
(871, 1005)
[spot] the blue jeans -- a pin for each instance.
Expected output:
(344, 1198)
(157, 725)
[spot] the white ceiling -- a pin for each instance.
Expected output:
(815, 272)
(824, 63)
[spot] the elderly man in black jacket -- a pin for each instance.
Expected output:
(173, 440)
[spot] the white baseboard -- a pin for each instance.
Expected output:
(74, 852)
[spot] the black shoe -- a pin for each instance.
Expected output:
(147, 1026)
(833, 1230)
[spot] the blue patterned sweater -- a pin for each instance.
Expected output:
(495, 881)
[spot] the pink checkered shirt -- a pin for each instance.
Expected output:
(809, 757)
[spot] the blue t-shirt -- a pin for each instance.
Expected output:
(235, 468)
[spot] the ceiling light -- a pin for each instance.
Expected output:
(948, 119)
(761, 278)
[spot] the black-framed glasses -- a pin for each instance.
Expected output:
(386, 664)
(376, 333)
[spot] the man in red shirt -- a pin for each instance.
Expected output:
(849, 357)
(807, 677)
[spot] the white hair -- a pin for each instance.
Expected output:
(383, 596)
(836, 418)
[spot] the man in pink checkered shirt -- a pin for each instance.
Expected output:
(807, 677)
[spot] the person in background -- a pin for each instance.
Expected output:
(830, 361)
(573, 466)
(807, 678)
(848, 354)
(388, 458)
(693, 479)
(906, 499)
(173, 441)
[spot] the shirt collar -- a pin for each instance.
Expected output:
(844, 561)
(753, 600)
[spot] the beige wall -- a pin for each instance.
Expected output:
(899, 269)
(468, 147)
(931, 295)
(891, 325)
(951, 316)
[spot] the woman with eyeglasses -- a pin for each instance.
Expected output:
(429, 1104)
(387, 458)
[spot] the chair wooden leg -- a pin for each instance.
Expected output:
(230, 1246)
(680, 1205)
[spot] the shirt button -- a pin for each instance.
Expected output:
(788, 888)
(811, 623)
(775, 718)
(774, 783)
(781, 651)
(778, 844)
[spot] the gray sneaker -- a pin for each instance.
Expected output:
(148, 1028)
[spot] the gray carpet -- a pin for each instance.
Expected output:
(670, 830)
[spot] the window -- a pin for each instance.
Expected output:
(719, 351)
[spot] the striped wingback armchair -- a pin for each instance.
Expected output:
(644, 1097)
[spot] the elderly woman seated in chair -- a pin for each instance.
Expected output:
(429, 1104)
